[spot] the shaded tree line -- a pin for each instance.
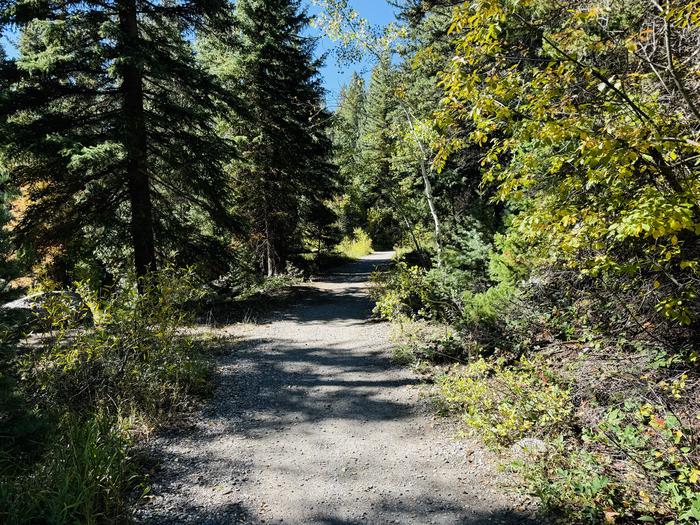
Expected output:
(139, 134)
(158, 160)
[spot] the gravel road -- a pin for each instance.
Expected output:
(312, 424)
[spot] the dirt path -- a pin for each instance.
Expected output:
(312, 423)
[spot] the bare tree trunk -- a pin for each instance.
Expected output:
(142, 234)
(428, 189)
(419, 250)
(270, 261)
(433, 211)
(268, 251)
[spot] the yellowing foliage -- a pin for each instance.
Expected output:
(578, 134)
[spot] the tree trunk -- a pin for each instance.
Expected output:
(269, 255)
(270, 260)
(419, 250)
(428, 188)
(142, 235)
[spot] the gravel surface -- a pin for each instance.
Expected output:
(312, 423)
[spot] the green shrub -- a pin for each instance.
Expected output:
(135, 357)
(356, 246)
(22, 429)
(400, 292)
(504, 404)
(660, 454)
(272, 284)
(485, 317)
(572, 483)
(637, 462)
(403, 355)
(103, 357)
(446, 347)
(424, 343)
(640, 463)
(487, 306)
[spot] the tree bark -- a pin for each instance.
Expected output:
(270, 260)
(419, 250)
(428, 189)
(142, 234)
(271, 269)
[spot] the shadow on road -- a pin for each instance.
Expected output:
(283, 388)
(265, 306)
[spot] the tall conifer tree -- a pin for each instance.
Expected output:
(6, 191)
(381, 184)
(347, 129)
(284, 174)
(347, 133)
(109, 126)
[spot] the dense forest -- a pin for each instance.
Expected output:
(535, 165)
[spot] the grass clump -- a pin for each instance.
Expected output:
(80, 478)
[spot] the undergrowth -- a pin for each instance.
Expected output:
(615, 412)
(356, 246)
(80, 478)
(106, 369)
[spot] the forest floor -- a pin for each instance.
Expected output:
(311, 422)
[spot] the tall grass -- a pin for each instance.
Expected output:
(81, 478)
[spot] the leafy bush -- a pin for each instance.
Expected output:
(356, 246)
(423, 344)
(572, 483)
(134, 358)
(639, 463)
(505, 404)
(659, 452)
(105, 366)
(401, 292)
(447, 295)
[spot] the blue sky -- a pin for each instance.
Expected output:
(377, 12)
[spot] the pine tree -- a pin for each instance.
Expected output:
(6, 191)
(347, 146)
(109, 128)
(381, 185)
(7, 269)
(283, 175)
(347, 129)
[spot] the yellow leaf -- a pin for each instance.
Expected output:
(694, 475)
